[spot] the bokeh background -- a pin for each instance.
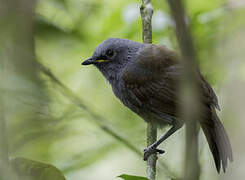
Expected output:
(46, 122)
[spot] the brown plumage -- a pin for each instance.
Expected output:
(146, 79)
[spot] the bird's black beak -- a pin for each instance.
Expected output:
(93, 61)
(89, 61)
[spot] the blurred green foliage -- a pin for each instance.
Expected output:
(44, 125)
(33, 170)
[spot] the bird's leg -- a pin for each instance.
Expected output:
(153, 148)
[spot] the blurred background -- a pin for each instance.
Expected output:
(55, 111)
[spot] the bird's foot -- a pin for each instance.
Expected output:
(151, 150)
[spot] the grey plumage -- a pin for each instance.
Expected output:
(145, 78)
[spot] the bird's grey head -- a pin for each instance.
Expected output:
(111, 56)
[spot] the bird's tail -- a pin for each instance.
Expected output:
(218, 141)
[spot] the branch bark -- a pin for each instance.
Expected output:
(146, 11)
(190, 111)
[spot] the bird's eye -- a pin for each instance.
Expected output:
(109, 53)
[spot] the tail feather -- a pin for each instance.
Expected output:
(218, 141)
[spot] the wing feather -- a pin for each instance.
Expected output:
(154, 79)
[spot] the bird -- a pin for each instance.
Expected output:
(145, 78)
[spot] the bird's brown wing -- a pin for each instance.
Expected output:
(154, 77)
(209, 96)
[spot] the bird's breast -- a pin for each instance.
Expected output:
(143, 109)
(126, 96)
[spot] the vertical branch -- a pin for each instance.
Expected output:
(190, 111)
(146, 11)
(152, 160)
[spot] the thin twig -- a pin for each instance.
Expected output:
(152, 160)
(190, 110)
(146, 11)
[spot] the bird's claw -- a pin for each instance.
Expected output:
(151, 150)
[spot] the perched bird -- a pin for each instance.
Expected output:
(145, 78)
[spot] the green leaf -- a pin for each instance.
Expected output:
(129, 177)
(33, 170)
